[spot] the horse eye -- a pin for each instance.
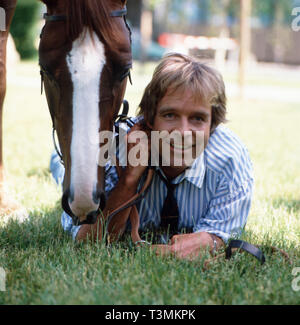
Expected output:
(123, 72)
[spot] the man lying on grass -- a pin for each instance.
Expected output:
(200, 204)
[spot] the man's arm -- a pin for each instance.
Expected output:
(227, 215)
(190, 246)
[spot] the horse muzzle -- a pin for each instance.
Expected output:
(91, 217)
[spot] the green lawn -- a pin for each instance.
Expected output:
(44, 266)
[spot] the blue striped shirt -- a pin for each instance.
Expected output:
(213, 195)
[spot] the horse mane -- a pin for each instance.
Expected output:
(91, 14)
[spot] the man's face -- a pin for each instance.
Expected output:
(179, 111)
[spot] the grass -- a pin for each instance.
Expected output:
(44, 266)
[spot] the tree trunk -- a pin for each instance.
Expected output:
(220, 53)
(146, 29)
(245, 43)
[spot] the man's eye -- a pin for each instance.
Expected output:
(169, 115)
(198, 118)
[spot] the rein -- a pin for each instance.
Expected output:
(241, 245)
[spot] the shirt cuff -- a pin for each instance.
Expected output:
(223, 235)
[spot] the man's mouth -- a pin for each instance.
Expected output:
(182, 147)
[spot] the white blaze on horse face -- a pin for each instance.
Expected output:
(85, 62)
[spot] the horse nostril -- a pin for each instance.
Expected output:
(66, 207)
(76, 221)
(102, 201)
(91, 218)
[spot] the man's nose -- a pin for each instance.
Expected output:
(183, 126)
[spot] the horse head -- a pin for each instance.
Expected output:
(85, 58)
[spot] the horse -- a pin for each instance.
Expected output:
(7, 204)
(85, 59)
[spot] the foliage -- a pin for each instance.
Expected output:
(268, 10)
(273, 10)
(23, 28)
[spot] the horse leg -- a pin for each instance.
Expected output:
(7, 205)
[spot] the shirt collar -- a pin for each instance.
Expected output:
(194, 174)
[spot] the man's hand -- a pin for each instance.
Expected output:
(188, 246)
(133, 173)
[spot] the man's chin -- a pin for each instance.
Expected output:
(177, 164)
(179, 159)
(173, 171)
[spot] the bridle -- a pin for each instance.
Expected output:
(92, 218)
(113, 14)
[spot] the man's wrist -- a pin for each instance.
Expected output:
(217, 242)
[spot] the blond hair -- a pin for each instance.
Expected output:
(178, 71)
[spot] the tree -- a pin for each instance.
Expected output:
(273, 12)
(148, 7)
(245, 42)
(23, 28)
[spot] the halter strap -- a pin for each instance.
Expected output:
(115, 13)
(119, 13)
(48, 17)
(251, 249)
